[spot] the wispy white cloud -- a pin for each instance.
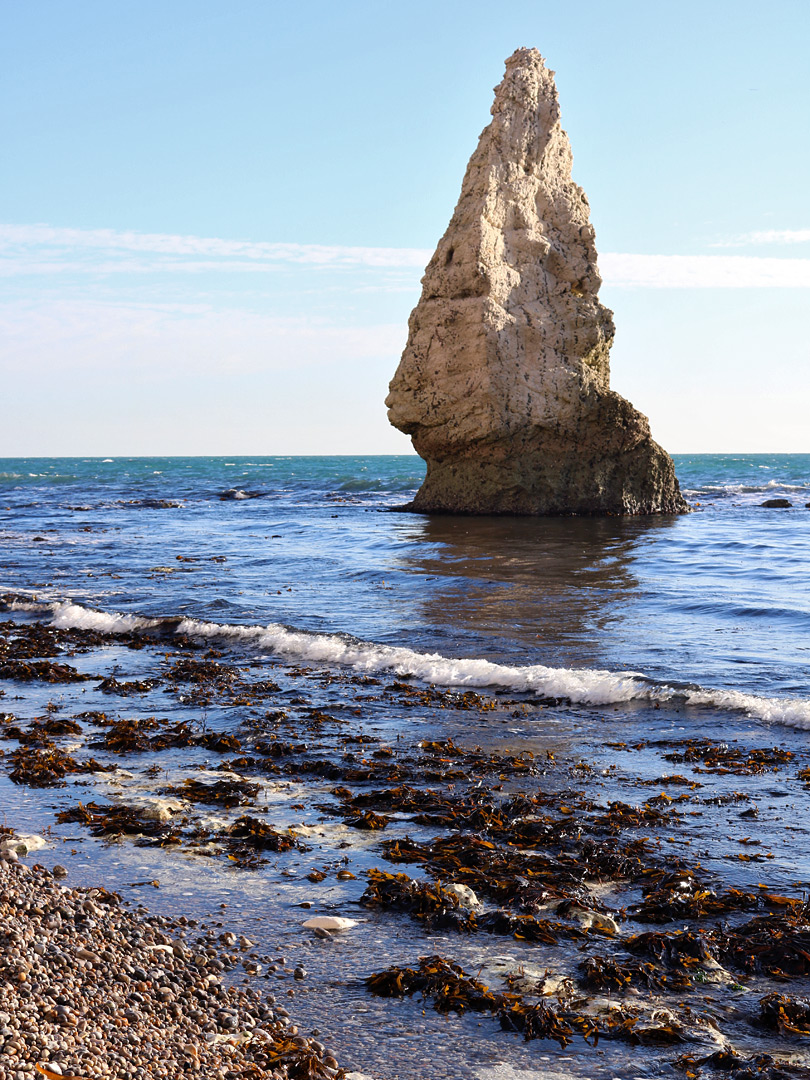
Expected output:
(87, 336)
(18, 239)
(42, 250)
(767, 236)
(703, 272)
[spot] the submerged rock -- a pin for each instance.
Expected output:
(504, 381)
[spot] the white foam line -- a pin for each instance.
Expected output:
(585, 686)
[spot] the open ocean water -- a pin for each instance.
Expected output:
(606, 629)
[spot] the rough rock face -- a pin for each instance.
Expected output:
(504, 382)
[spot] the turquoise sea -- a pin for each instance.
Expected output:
(716, 601)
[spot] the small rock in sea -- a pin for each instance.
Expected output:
(245, 942)
(59, 871)
(299, 973)
(329, 922)
(238, 494)
(305, 904)
(777, 504)
(321, 933)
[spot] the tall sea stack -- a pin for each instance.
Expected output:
(504, 381)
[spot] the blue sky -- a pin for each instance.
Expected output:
(214, 217)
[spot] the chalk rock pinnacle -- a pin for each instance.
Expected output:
(504, 381)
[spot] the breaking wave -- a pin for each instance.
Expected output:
(586, 686)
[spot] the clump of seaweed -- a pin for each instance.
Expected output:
(684, 952)
(606, 973)
(134, 735)
(777, 945)
(736, 1067)
(59, 725)
(111, 685)
(439, 908)
(26, 642)
(681, 895)
(722, 758)
(218, 741)
(451, 989)
(47, 766)
(411, 696)
(785, 1014)
(251, 832)
(277, 748)
(41, 671)
(218, 793)
(441, 980)
(187, 669)
(434, 906)
(368, 820)
(103, 819)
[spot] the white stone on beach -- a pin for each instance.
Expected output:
(594, 920)
(332, 923)
(466, 896)
(24, 843)
(157, 809)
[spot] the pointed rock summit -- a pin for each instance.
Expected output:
(504, 382)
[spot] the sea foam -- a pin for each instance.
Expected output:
(584, 686)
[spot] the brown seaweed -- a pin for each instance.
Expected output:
(105, 820)
(251, 832)
(42, 671)
(736, 1067)
(722, 759)
(47, 766)
(785, 1014)
(219, 793)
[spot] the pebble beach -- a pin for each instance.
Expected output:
(91, 989)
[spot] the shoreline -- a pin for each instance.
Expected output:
(565, 887)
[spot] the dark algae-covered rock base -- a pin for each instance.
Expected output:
(504, 384)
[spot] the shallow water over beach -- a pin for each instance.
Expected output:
(654, 634)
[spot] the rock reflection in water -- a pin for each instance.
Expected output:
(543, 590)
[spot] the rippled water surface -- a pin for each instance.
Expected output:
(719, 598)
